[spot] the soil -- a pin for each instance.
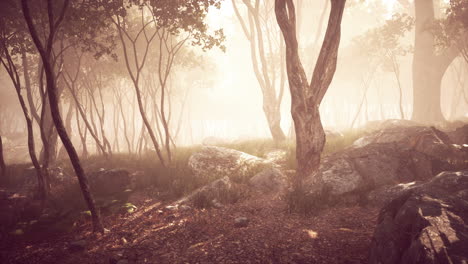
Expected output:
(155, 234)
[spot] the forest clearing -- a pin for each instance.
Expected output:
(234, 131)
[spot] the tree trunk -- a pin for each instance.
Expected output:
(428, 67)
(2, 160)
(264, 72)
(54, 103)
(305, 98)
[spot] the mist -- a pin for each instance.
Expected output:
(302, 105)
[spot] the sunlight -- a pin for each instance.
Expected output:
(311, 233)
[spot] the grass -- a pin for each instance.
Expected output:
(177, 180)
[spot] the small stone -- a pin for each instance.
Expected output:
(77, 245)
(122, 261)
(216, 204)
(241, 222)
(185, 207)
(171, 207)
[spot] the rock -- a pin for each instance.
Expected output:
(278, 157)
(216, 204)
(204, 196)
(460, 135)
(333, 135)
(426, 224)
(122, 261)
(171, 208)
(269, 180)
(109, 182)
(77, 245)
(383, 195)
(140, 180)
(185, 207)
(379, 125)
(216, 162)
(241, 222)
(398, 154)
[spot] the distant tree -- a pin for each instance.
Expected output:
(2, 160)
(13, 44)
(429, 64)
(305, 97)
(384, 46)
(452, 30)
(266, 48)
(171, 25)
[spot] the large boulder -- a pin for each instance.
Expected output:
(217, 162)
(269, 180)
(209, 195)
(427, 224)
(459, 135)
(397, 154)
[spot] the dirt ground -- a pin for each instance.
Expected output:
(155, 234)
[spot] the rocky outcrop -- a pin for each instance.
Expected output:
(269, 180)
(388, 157)
(209, 195)
(217, 162)
(427, 224)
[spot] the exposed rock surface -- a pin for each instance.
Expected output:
(216, 162)
(269, 180)
(333, 135)
(394, 155)
(459, 135)
(427, 224)
(209, 195)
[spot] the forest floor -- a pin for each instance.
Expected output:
(157, 234)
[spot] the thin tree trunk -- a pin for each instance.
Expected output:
(84, 153)
(254, 34)
(2, 160)
(54, 102)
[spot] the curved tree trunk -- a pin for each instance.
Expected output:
(54, 102)
(306, 98)
(264, 72)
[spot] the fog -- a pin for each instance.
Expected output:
(214, 92)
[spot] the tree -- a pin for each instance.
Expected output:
(452, 30)
(383, 45)
(173, 24)
(305, 97)
(12, 45)
(429, 65)
(55, 17)
(260, 33)
(2, 160)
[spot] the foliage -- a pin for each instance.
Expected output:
(452, 30)
(385, 42)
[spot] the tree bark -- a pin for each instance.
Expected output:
(2, 160)
(428, 67)
(54, 101)
(306, 98)
(264, 72)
